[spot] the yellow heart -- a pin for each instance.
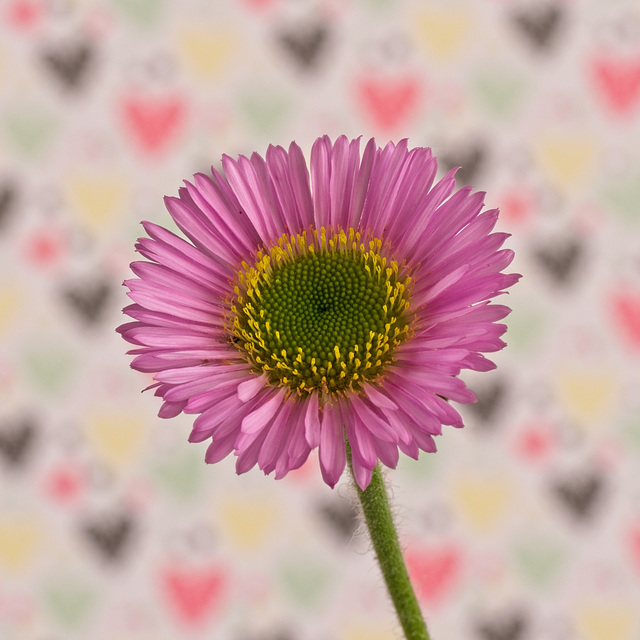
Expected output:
(566, 158)
(97, 200)
(247, 521)
(19, 539)
(598, 621)
(10, 300)
(443, 31)
(206, 49)
(587, 395)
(368, 633)
(482, 499)
(117, 436)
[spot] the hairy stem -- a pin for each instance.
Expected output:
(377, 515)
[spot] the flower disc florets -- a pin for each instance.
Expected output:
(321, 311)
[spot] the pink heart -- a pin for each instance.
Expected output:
(618, 81)
(154, 123)
(626, 311)
(389, 102)
(193, 594)
(434, 571)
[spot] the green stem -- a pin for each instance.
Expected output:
(377, 515)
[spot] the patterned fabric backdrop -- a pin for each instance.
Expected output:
(524, 526)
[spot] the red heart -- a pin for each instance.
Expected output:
(517, 205)
(258, 4)
(535, 442)
(434, 571)
(626, 311)
(64, 484)
(193, 594)
(153, 122)
(24, 14)
(389, 102)
(44, 247)
(618, 81)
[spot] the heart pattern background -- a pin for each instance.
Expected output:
(524, 526)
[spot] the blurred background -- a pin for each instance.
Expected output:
(524, 526)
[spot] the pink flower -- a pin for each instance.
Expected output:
(302, 309)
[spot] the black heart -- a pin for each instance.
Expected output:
(489, 400)
(17, 440)
(509, 627)
(341, 517)
(580, 494)
(8, 198)
(110, 536)
(560, 259)
(89, 302)
(470, 159)
(306, 45)
(540, 25)
(70, 62)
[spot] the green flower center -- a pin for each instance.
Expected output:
(321, 311)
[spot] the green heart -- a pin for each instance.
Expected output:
(49, 366)
(631, 432)
(181, 475)
(424, 467)
(142, 12)
(500, 91)
(524, 327)
(304, 581)
(539, 561)
(69, 603)
(28, 131)
(264, 111)
(623, 196)
(378, 4)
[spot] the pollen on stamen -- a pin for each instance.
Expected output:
(323, 298)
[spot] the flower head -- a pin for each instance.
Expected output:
(305, 308)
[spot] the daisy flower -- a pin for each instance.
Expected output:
(324, 308)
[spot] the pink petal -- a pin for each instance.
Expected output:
(223, 210)
(260, 417)
(219, 449)
(249, 388)
(197, 228)
(300, 185)
(170, 409)
(277, 163)
(362, 443)
(277, 438)
(332, 452)
(215, 377)
(164, 247)
(378, 398)
(408, 235)
(249, 451)
(360, 185)
(312, 421)
(372, 422)
(200, 373)
(321, 181)
(209, 421)
(254, 201)
(388, 453)
(440, 286)
(362, 474)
